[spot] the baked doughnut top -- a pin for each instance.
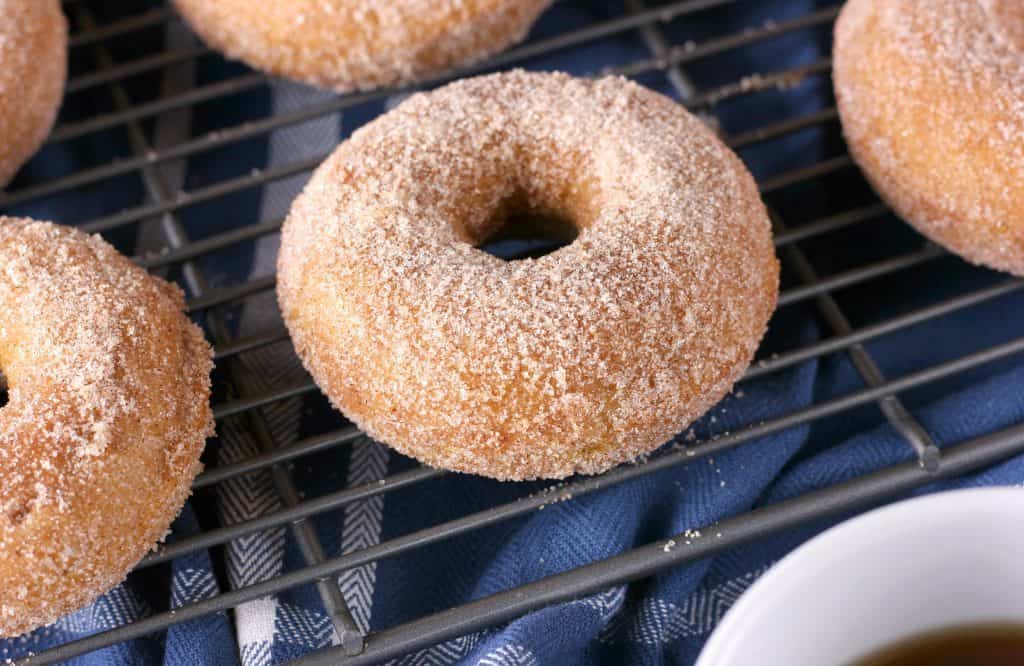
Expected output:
(360, 44)
(931, 95)
(108, 385)
(571, 362)
(33, 67)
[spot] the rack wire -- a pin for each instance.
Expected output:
(806, 287)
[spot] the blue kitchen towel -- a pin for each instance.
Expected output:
(664, 619)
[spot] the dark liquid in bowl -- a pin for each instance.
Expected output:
(973, 645)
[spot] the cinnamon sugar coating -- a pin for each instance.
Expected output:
(931, 96)
(360, 44)
(572, 362)
(33, 67)
(108, 412)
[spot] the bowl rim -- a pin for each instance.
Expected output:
(823, 546)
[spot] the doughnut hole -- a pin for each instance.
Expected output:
(3, 390)
(520, 231)
(533, 214)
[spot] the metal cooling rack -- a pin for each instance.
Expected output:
(806, 288)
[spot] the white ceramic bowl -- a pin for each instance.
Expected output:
(946, 559)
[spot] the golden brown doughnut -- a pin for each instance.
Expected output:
(572, 362)
(931, 96)
(33, 66)
(360, 44)
(108, 386)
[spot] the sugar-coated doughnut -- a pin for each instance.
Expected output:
(360, 44)
(571, 362)
(108, 386)
(931, 96)
(33, 66)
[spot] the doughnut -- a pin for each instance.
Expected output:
(931, 97)
(351, 45)
(33, 67)
(108, 390)
(543, 367)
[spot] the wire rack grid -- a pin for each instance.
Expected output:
(814, 279)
